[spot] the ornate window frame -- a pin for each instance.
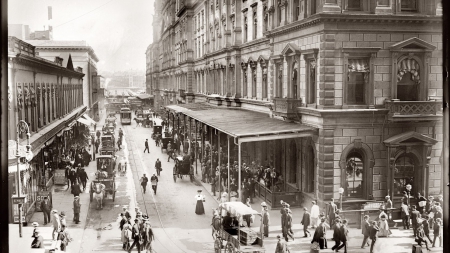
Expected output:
(370, 54)
(310, 57)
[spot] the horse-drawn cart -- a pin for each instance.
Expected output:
(165, 140)
(234, 237)
(183, 168)
(105, 180)
(157, 127)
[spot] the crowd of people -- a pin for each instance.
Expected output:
(60, 234)
(138, 234)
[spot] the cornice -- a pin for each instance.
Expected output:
(254, 42)
(353, 18)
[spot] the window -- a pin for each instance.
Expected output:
(409, 5)
(357, 81)
(403, 173)
(255, 26)
(311, 79)
(354, 171)
(266, 20)
(295, 81)
(353, 5)
(296, 9)
(408, 76)
(313, 7)
(245, 29)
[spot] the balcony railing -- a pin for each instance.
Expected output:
(286, 107)
(414, 110)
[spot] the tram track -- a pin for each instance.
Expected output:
(133, 167)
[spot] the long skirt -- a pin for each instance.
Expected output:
(199, 209)
(384, 229)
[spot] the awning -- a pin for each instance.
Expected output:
(144, 96)
(247, 126)
(84, 121)
(89, 119)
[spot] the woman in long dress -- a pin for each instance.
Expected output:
(199, 209)
(384, 226)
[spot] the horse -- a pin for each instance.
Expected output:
(139, 122)
(216, 223)
(99, 193)
(101, 174)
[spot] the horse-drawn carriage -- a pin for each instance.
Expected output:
(107, 142)
(183, 168)
(110, 124)
(235, 238)
(104, 182)
(167, 138)
(157, 127)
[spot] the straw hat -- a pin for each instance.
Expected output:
(264, 204)
(35, 224)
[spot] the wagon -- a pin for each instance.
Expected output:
(165, 139)
(157, 127)
(236, 238)
(182, 168)
(106, 175)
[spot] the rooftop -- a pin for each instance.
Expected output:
(63, 44)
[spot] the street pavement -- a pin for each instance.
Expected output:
(171, 211)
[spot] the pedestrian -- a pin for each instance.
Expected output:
(426, 227)
(281, 246)
(97, 145)
(136, 236)
(283, 218)
(289, 232)
(83, 178)
(119, 143)
(320, 234)
(123, 221)
(126, 236)
(420, 236)
(306, 220)
(158, 167)
(76, 209)
(199, 209)
(365, 230)
(56, 223)
(154, 181)
(126, 212)
(62, 218)
(437, 231)
(265, 220)
(315, 212)
(247, 217)
(144, 181)
(344, 236)
(373, 234)
(383, 225)
(63, 238)
(336, 233)
(95, 127)
(76, 189)
(148, 237)
(46, 207)
(405, 215)
(422, 202)
(38, 241)
(331, 212)
(146, 146)
(415, 216)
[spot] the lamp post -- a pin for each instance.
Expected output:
(22, 126)
(341, 192)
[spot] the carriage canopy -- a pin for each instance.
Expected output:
(238, 209)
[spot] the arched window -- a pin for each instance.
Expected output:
(408, 76)
(404, 173)
(354, 174)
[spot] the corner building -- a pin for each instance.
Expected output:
(364, 75)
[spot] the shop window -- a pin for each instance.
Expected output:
(357, 81)
(354, 172)
(403, 173)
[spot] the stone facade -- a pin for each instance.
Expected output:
(369, 83)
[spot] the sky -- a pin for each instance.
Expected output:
(119, 31)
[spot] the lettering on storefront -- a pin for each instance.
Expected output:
(40, 197)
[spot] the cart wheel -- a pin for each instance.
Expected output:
(217, 245)
(230, 248)
(114, 196)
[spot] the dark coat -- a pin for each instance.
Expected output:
(46, 206)
(336, 232)
(373, 232)
(306, 220)
(76, 206)
(344, 233)
(414, 216)
(365, 226)
(76, 190)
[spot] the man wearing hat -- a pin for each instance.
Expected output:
(265, 219)
(46, 206)
(62, 217)
(154, 181)
(283, 218)
(144, 181)
(56, 223)
(38, 241)
(281, 246)
(289, 231)
(306, 220)
(331, 212)
(135, 231)
(76, 209)
(83, 178)
(315, 212)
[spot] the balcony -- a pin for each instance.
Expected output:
(286, 107)
(414, 110)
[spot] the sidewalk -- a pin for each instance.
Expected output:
(400, 241)
(62, 201)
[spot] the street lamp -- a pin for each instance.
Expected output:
(22, 126)
(341, 192)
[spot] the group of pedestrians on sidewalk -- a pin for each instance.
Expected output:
(60, 233)
(140, 232)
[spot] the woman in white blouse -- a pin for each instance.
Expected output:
(199, 209)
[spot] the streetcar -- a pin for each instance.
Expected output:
(125, 116)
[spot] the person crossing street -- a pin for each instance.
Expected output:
(158, 167)
(154, 181)
(146, 146)
(144, 181)
(83, 178)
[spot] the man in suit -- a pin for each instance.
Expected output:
(306, 221)
(158, 167)
(38, 241)
(283, 218)
(146, 146)
(373, 234)
(289, 231)
(336, 233)
(46, 207)
(331, 212)
(420, 236)
(415, 215)
(281, 246)
(83, 178)
(135, 231)
(365, 227)
(344, 236)
(265, 219)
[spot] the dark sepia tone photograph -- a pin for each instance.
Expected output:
(226, 126)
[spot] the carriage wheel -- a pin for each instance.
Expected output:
(175, 178)
(230, 248)
(217, 245)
